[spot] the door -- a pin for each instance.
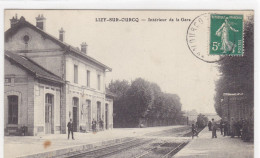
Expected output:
(48, 113)
(75, 116)
(75, 103)
(106, 116)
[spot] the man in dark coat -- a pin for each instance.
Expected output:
(232, 127)
(221, 126)
(214, 129)
(101, 124)
(226, 128)
(94, 125)
(70, 129)
(210, 125)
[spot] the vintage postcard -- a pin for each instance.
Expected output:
(128, 83)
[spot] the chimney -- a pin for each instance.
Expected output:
(40, 22)
(61, 35)
(84, 47)
(14, 21)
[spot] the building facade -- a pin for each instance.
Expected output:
(235, 105)
(75, 87)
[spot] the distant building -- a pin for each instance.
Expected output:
(49, 82)
(191, 115)
(212, 116)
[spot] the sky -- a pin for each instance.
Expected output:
(155, 51)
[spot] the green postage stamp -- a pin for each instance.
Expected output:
(226, 34)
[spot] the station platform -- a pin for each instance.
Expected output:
(55, 144)
(221, 147)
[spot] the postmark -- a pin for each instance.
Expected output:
(226, 34)
(210, 38)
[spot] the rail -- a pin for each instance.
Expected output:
(109, 150)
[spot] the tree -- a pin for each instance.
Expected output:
(140, 99)
(143, 102)
(237, 73)
(119, 88)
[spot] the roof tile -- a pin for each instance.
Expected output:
(34, 68)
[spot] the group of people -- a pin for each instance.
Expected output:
(237, 128)
(213, 127)
(70, 126)
(94, 125)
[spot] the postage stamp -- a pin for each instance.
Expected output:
(226, 34)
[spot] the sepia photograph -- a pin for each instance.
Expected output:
(128, 83)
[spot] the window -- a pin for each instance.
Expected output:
(75, 73)
(88, 78)
(98, 111)
(98, 80)
(13, 109)
(26, 38)
(75, 102)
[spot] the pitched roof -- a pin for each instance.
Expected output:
(33, 68)
(23, 23)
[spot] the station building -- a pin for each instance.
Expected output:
(48, 82)
(236, 106)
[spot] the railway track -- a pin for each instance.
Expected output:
(148, 151)
(169, 151)
(110, 150)
(138, 147)
(169, 132)
(175, 150)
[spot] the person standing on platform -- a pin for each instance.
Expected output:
(221, 126)
(101, 124)
(225, 128)
(94, 125)
(210, 126)
(232, 128)
(240, 126)
(70, 129)
(214, 129)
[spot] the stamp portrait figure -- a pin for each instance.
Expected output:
(223, 31)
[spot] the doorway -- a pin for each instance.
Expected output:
(49, 114)
(75, 103)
